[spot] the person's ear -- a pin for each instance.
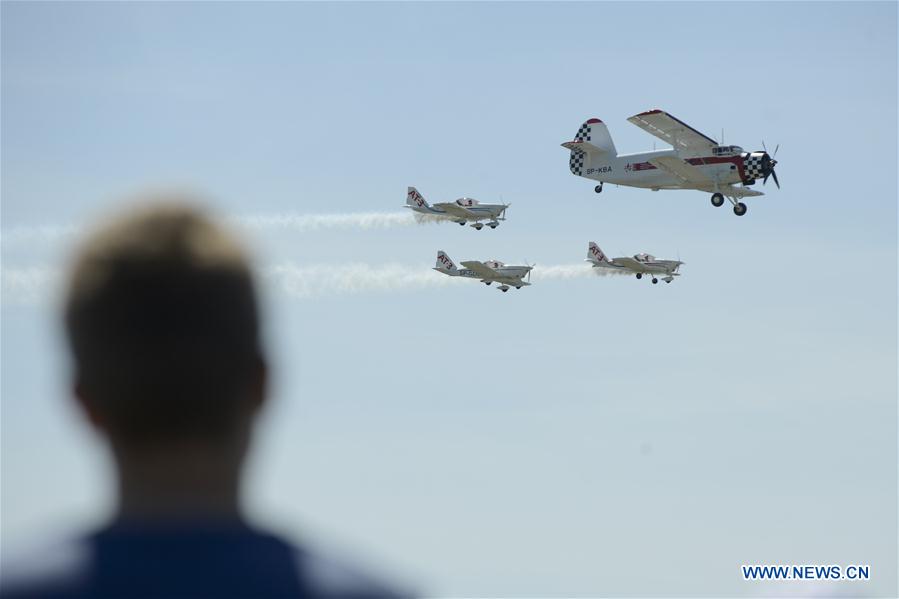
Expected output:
(88, 408)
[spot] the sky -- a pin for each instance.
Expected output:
(584, 436)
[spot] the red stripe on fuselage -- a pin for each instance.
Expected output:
(737, 160)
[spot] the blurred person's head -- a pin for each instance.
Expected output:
(163, 324)
(162, 320)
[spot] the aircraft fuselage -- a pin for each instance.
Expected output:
(636, 170)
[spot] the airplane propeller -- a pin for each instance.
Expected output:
(768, 164)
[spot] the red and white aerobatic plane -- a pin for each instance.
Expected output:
(696, 161)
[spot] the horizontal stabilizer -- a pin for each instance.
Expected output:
(583, 146)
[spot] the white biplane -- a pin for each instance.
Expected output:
(640, 264)
(491, 271)
(696, 161)
(461, 211)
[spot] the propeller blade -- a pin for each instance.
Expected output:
(773, 174)
(776, 148)
(764, 147)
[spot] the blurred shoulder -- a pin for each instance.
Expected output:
(328, 576)
(53, 570)
(200, 562)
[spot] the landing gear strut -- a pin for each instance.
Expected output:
(598, 188)
(717, 200)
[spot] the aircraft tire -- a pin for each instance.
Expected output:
(717, 200)
(598, 188)
(639, 275)
(492, 226)
(504, 290)
(667, 281)
(654, 281)
(740, 209)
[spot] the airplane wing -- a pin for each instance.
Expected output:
(680, 135)
(739, 192)
(455, 209)
(682, 170)
(482, 270)
(630, 263)
(690, 176)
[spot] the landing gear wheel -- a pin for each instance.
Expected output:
(478, 227)
(598, 188)
(492, 226)
(740, 208)
(654, 280)
(519, 287)
(667, 281)
(461, 224)
(487, 283)
(639, 275)
(717, 200)
(504, 290)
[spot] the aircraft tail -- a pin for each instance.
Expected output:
(596, 255)
(591, 140)
(445, 264)
(415, 199)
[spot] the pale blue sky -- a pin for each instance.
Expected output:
(578, 437)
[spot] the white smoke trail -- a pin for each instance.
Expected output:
(41, 235)
(37, 235)
(30, 285)
(571, 271)
(303, 223)
(310, 281)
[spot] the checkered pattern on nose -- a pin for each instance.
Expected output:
(752, 166)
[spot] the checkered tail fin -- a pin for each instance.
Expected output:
(591, 141)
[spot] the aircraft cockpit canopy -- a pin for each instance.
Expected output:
(727, 150)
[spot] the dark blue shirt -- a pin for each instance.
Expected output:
(184, 560)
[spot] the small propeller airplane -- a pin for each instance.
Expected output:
(696, 161)
(640, 264)
(462, 211)
(491, 271)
